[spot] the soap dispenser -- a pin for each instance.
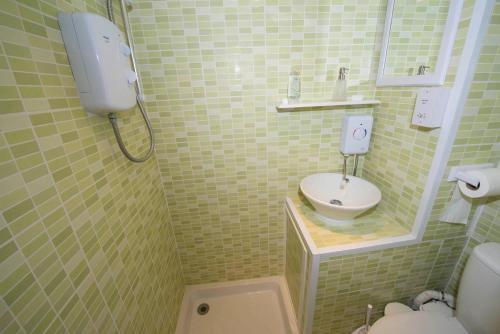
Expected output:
(340, 91)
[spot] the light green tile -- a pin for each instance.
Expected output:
(58, 156)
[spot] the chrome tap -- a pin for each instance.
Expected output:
(355, 167)
(344, 169)
(422, 69)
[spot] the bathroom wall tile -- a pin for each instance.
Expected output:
(85, 236)
(213, 73)
(478, 136)
(416, 33)
(348, 283)
(403, 157)
(400, 155)
(477, 142)
(487, 230)
(294, 267)
(454, 280)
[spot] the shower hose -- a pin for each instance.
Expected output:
(112, 116)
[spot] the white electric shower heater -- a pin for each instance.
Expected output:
(104, 67)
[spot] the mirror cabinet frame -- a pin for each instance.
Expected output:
(436, 77)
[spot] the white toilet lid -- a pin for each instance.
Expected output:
(418, 322)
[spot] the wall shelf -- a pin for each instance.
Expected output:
(323, 104)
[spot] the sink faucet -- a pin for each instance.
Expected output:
(344, 169)
(355, 167)
(422, 69)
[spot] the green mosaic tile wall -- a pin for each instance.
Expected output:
(79, 221)
(400, 155)
(416, 32)
(346, 282)
(487, 230)
(436, 229)
(213, 73)
(478, 139)
(86, 243)
(294, 267)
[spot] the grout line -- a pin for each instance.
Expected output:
(168, 215)
(441, 244)
(24, 185)
(455, 267)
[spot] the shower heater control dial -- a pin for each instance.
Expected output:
(359, 133)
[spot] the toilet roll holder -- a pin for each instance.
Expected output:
(459, 173)
(471, 181)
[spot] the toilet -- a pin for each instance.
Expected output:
(477, 306)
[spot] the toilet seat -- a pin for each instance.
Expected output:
(418, 322)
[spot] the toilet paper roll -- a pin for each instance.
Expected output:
(489, 183)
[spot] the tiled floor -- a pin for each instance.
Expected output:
(372, 225)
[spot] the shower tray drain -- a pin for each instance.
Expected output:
(203, 309)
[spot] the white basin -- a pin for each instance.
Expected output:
(356, 196)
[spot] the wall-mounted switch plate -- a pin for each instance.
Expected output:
(430, 107)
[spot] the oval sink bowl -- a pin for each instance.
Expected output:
(337, 200)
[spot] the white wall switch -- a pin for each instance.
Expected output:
(356, 134)
(430, 107)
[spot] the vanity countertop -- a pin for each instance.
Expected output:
(373, 225)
